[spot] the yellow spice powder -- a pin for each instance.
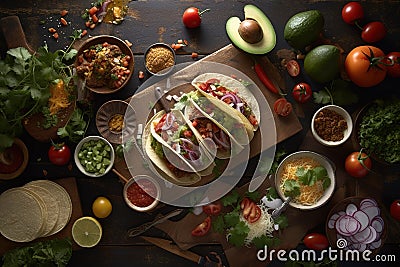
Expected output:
(159, 58)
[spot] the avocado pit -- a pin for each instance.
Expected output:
(250, 31)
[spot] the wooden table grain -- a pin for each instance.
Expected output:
(153, 21)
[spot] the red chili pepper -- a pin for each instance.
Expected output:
(265, 80)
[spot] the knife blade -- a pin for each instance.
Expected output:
(175, 249)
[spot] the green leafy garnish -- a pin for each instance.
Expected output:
(76, 128)
(238, 234)
(339, 93)
(291, 188)
(56, 252)
(271, 193)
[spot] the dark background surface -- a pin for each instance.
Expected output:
(148, 22)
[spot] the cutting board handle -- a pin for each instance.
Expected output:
(13, 33)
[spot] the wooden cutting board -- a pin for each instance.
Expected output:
(70, 185)
(232, 57)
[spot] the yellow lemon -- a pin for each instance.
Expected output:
(86, 232)
(101, 207)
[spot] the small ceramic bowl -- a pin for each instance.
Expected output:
(101, 39)
(84, 161)
(116, 121)
(143, 185)
(346, 133)
(160, 59)
(18, 147)
(323, 161)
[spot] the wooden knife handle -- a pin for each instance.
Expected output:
(13, 33)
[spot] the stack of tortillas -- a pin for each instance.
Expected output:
(38, 209)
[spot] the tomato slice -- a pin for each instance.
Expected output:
(160, 123)
(203, 228)
(212, 209)
(282, 107)
(293, 68)
(250, 211)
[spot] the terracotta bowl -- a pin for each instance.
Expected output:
(148, 185)
(114, 41)
(23, 149)
(108, 113)
(147, 63)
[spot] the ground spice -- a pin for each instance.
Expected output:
(330, 125)
(159, 58)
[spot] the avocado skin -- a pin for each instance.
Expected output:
(322, 64)
(304, 28)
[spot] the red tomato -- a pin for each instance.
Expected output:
(316, 241)
(302, 92)
(203, 228)
(395, 209)
(293, 68)
(352, 12)
(59, 154)
(364, 66)
(394, 70)
(250, 211)
(358, 164)
(192, 17)
(282, 107)
(212, 208)
(373, 32)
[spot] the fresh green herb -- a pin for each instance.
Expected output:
(125, 147)
(238, 234)
(255, 195)
(306, 177)
(339, 93)
(50, 120)
(261, 241)
(231, 199)
(271, 193)
(56, 252)
(76, 127)
(282, 221)
(380, 128)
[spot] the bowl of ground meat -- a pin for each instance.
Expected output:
(104, 63)
(331, 125)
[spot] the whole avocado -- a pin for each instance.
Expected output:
(304, 28)
(322, 63)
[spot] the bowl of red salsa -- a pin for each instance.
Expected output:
(142, 193)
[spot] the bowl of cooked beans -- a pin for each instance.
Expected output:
(159, 59)
(116, 121)
(307, 177)
(104, 63)
(331, 125)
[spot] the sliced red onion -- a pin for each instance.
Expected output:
(378, 224)
(332, 220)
(231, 96)
(371, 211)
(362, 218)
(351, 209)
(169, 121)
(222, 141)
(347, 225)
(362, 235)
(376, 244)
(371, 238)
(368, 202)
(188, 145)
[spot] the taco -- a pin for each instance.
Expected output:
(231, 95)
(226, 144)
(173, 130)
(160, 154)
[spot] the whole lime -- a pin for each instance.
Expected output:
(322, 64)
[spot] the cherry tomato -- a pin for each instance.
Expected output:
(293, 68)
(203, 228)
(59, 154)
(395, 209)
(364, 67)
(282, 107)
(352, 12)
(373, 32)
(250, 211)
(212, 208)
(302, 92)
(394, 70)
(358, 164)
(316, 241)
(192, 17)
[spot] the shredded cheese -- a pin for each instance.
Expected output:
(58, 97)
(309, 195)
(263, 226)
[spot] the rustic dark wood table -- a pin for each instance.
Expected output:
(153, 21)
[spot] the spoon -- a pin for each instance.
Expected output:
(276, 212)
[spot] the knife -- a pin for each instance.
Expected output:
(173, 248)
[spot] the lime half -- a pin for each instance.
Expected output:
(86, 232)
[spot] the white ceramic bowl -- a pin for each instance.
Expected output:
(324, 161)
(155, 193)
(78, 149)
(166, 70)
(347, 133)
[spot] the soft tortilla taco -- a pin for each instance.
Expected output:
(160, 154)
(173, 130)
(232, 95)
(226, 144)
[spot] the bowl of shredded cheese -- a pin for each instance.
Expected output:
(307, 177)
(116, 121)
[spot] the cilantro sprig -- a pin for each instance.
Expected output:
(25, 81)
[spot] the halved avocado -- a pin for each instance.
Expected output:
(255, 34)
